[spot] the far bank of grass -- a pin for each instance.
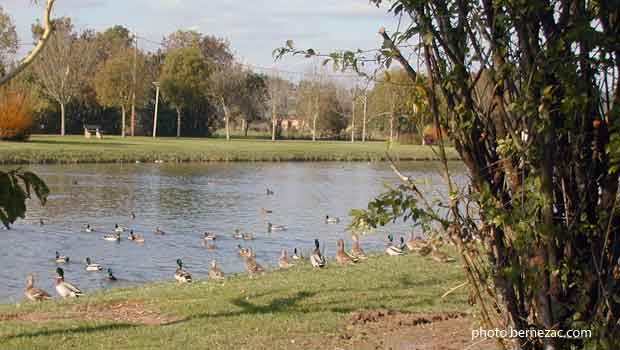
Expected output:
(302, 308)
(114, 149)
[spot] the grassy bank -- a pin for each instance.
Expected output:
(77, 149)
(297, 309)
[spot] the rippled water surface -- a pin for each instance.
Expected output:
(186, 200)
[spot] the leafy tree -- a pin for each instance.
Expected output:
(114, 83)
(8, 39)
(541, 157)
(64, 66)
(212, 48)
(253, 98)
(185, 79)
(278, 90)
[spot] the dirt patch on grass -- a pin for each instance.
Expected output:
(121, 312)
(387, 329)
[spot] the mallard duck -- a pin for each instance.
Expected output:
(92, 267)
(341, 255)
(159, 232)
(215, 272)
(41, 222)
(392, 249)
(357, 250)
(89, 229)
(297, 255)
(135, 238)
(237, 234)
(317, 259)
(61, 259)
(331, 219)
(244, 252)
(33, 293)
(440, 256)
(113, 237)
(209, 236)
(284, 262)
(248, 236)
(274, 227)
(265, 211)
(270, 192)
(252, 266)
(118, 229)
(66, 289)
(416, 244)
(132, 215)
(110, 276)
(181, 275)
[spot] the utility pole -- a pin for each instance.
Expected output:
(133, 97)
(156, 109)
(353, 119)
(364, 121)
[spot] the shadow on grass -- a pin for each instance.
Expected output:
(70, 331)
(275, 306)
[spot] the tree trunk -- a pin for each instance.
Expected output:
(62, 119)
(226, 119)
(364, 120)
(178, 122)
(123, 112)
(246, 127)
(273, 119)
(353, 122)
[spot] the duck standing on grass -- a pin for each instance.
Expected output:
(214, 272)
(61, 259)
(33, 293)
(180, 274)
(357, 250)
(283, 261)
(92, 267)
(66, 289)
(415, 244)
(341, 255)
(317, 259)
(392, 249)
(252, 266)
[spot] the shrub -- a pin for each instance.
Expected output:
(16, 116)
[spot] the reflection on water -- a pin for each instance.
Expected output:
(186, 200)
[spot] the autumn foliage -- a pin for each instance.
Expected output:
(16, 116)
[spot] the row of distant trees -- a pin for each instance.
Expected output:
(105, 78)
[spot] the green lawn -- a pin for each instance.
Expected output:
(77, 149)
(281, 310)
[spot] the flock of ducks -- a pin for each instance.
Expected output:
(252, 266)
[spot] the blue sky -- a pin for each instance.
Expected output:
(254, 27)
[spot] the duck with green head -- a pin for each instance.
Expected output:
(64, 288)
(393, 249)
(317, 259)
(180, 274)
(61, 259)
(110, 277)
